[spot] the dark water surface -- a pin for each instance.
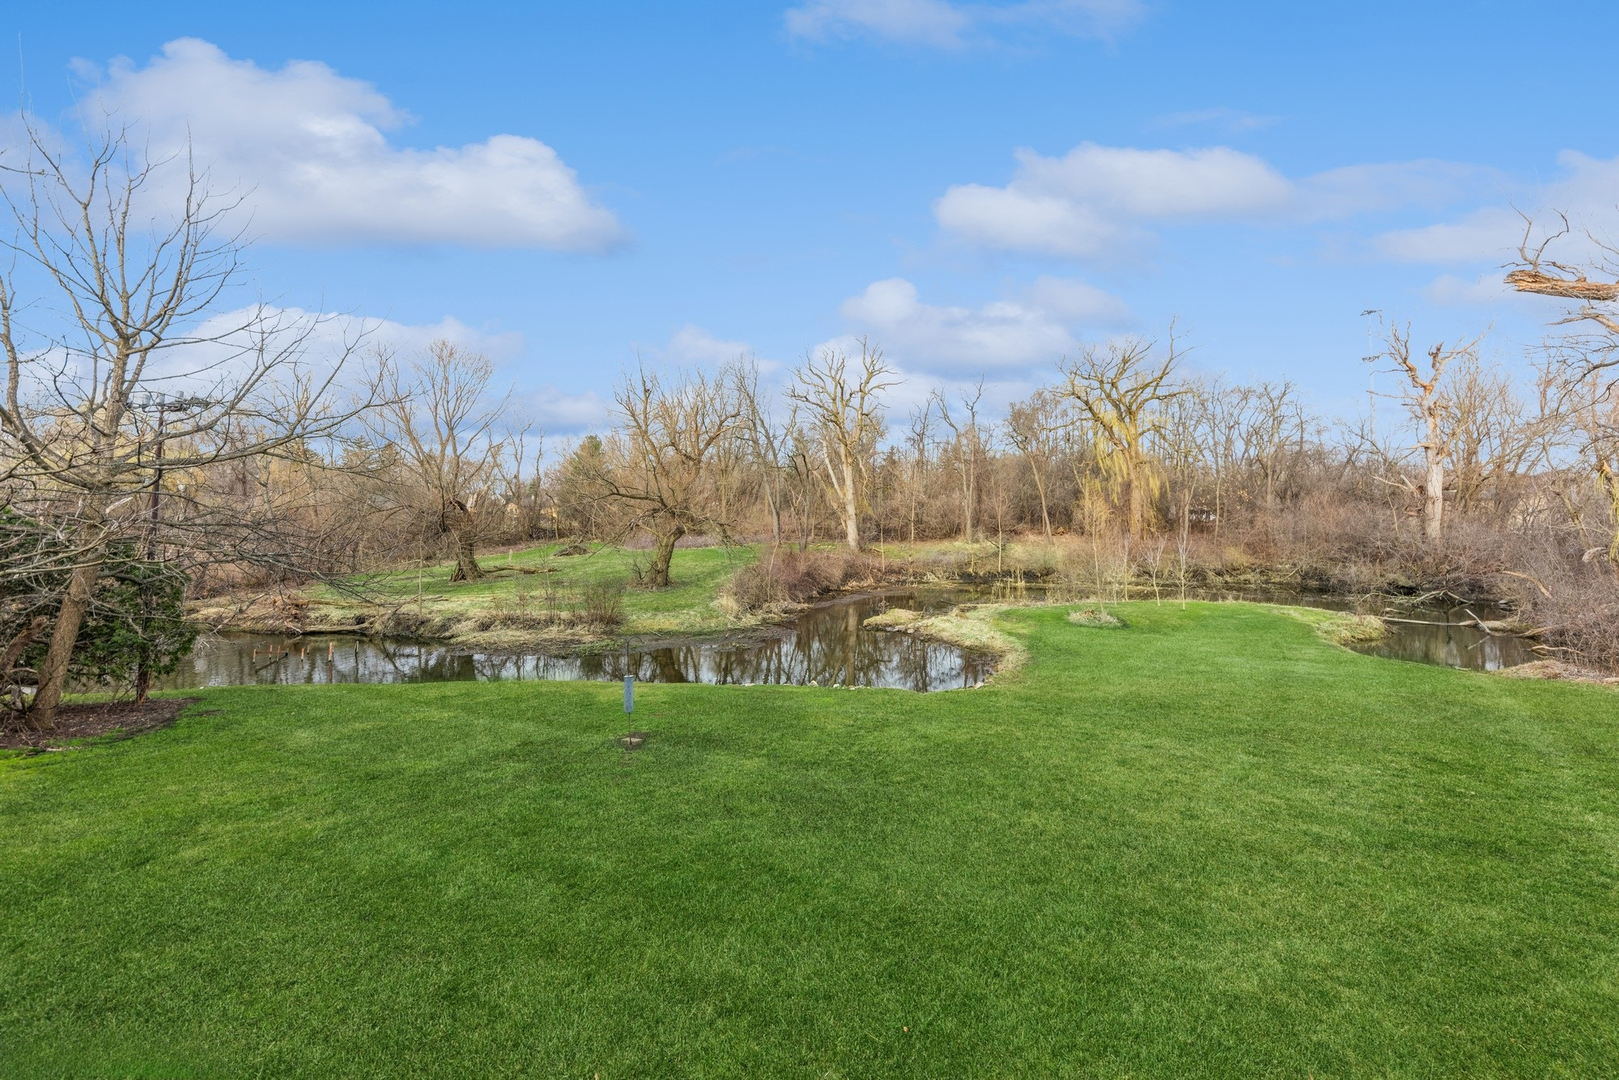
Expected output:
(824, 646)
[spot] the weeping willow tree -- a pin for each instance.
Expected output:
(1120, 389)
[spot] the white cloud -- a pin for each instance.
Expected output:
(1491, 233)
(1157, 183)
(1019, 333)
(1078, 302)
(223, 347)
(555, 412)
(944, 24)
(912, 386)
(1586, 192)
(544, 408)
(1086, 203)
(696, 345)
(271, 348)
(1095, 201)
(916, 22)
(1014, 219)
(309, 149)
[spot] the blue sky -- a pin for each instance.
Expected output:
(978, 187)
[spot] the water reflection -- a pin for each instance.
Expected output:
(1452, 644)
(823, 647)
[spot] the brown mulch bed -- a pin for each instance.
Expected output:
(76, 722)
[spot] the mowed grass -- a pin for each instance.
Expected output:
(1207, 844)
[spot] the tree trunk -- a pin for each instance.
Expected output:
(966, 507)
(773, 498)
(466, 557)
(69, 617)
(458, 519)
(1433, 497)
(13, 653)
(662, 555)
(1433, 493)
(851, 509)
(1045, 515)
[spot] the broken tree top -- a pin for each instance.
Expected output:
(1578, 288)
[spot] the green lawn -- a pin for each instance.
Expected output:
(1206, 844)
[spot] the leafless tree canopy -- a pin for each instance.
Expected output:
(668, 468)
(116, 350)
(847, 416)
(434, 412)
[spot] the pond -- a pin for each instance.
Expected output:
(824, 646)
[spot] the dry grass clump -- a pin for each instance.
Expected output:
(894, 619)
(1093, 616)
(1349, 629)
(1341, 627)
(971, 627)
(780, 577)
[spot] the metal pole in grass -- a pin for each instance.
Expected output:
(629, 682)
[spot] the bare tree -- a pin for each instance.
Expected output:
(768, 439)
(966, 450)
(106, 306)
(1492, 435)
(1580, 411)
(1032, 425)
(664, 473)
(438, 412)
(1216, 408)
(1584, 365)
(1270, 419)
(917, 440)
(847, 412)
(1427, 404)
